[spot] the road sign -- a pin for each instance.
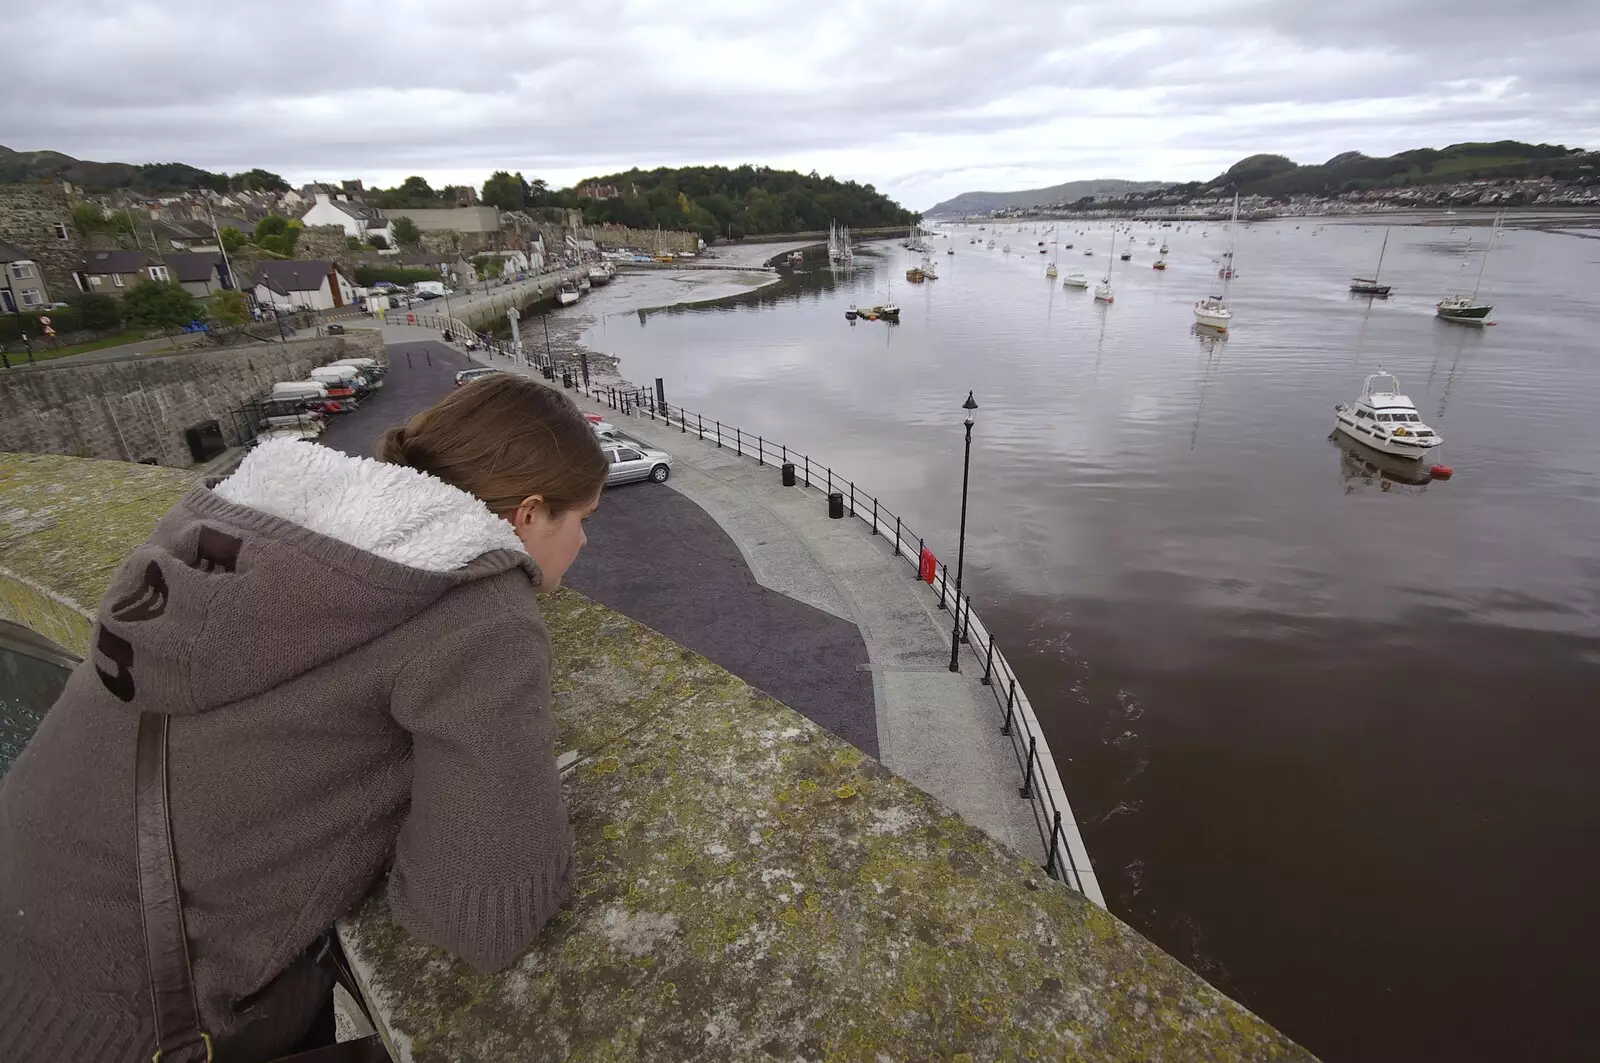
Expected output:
(49, 330)
(44, 321)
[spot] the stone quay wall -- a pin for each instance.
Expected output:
(137, 408)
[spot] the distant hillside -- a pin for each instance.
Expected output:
(717, 201)
(1274, 175)
(149, 177)
(1070, 192)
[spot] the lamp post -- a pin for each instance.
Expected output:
(961, 550)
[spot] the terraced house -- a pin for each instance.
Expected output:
(21, 281)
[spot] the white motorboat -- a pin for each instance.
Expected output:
(583, 283)
(566, 295)
(599, 275)
(1385, 420)
(1075, 279)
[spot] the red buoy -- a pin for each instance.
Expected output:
(1442, 472)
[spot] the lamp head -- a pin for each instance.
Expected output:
(971, 407)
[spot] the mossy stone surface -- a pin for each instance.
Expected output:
(751, 888)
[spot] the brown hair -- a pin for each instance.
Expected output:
(502, 439)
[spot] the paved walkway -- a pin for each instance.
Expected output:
(936, 728)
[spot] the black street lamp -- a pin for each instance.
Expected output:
(961, 550)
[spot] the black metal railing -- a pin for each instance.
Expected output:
(1041, 785)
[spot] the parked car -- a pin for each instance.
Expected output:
(336, 329)
(631, 462)
(607, 432)
(467, 376)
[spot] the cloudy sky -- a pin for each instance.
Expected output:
(924, 99)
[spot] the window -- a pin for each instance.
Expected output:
(116, 278)
(22, 270)
(94, 281)
(158, 273)
(61, 231)
(1383, 417)
(624, 454)
(1414, 417)
(31, 298)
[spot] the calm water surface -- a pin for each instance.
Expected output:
(1331, 735)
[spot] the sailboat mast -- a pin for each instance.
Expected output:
(1233, 234)
(1487, 244)
(1379, 271)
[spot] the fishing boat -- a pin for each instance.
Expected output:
(851, 313)
(915, 275)
(1103, 292)
(1213, 311)
(567, 294)
(1385, 420)
(600, 274)
(1075, 279)
(889, 312)
(1467, 308)
(1370, 285)
(583, 282)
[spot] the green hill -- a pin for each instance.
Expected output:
(718, 201)
(1274, 175)
(1070, 192)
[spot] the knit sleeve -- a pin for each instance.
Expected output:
(484, 858)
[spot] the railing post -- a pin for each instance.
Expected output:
(852, 498)
(830, 479)
(1050, 859)
(808, 470)
(683, 421)
(874, 515)
(1011, 703)
(719, 435)
(988, 663)
(738, 442)
(700, 424)
(944, 585)
(760, 447)
(966, 622)
(1027, 776)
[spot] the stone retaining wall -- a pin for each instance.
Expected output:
(136, 408)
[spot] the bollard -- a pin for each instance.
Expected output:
(835, 505)
(1027, 776)
(788, 474)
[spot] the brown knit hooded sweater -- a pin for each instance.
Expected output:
(358, 676)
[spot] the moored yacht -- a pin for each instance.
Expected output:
(1385, 420)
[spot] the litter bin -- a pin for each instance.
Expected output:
(788, 474)
(549, 373)
(566, 379)
(836, 505)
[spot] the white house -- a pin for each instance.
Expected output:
(301, 285)
(356, 220)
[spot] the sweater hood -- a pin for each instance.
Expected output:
(299, 557)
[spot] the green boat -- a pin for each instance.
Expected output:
(1467, 307)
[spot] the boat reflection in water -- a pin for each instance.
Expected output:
(1360, 466)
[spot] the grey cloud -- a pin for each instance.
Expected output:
(909, 97)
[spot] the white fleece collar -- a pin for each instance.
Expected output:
(393, 511)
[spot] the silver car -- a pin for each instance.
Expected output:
(630, 461)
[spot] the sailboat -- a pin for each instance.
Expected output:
(1050, 270)
(1213, 310)
(1103, 292)
(1467, 308)
(1370, 285)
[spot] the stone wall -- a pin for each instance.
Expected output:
(28, 217)
(613, 236)
(136, 408)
